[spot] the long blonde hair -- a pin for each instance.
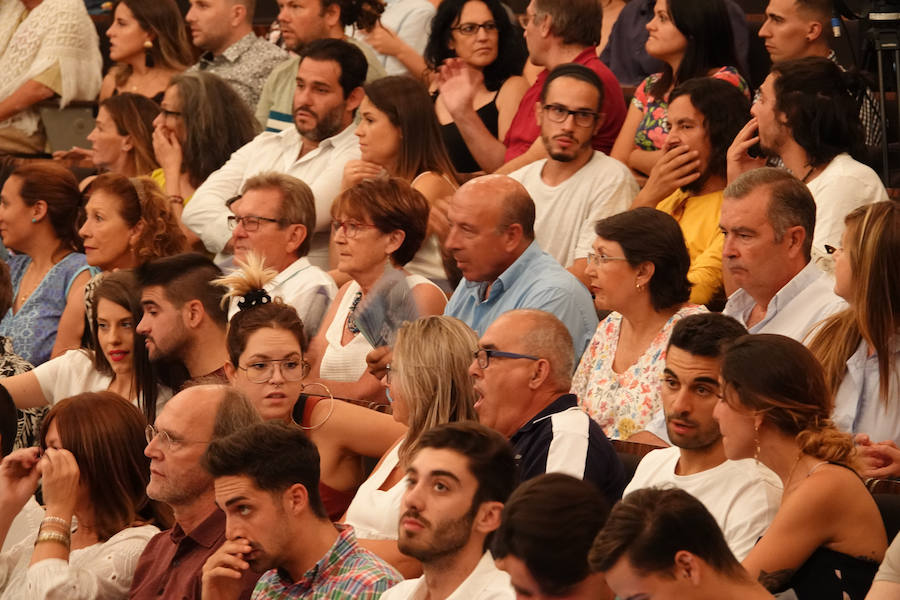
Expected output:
(431, 366)
(873, 249)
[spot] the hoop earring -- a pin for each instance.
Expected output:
(149, 61)
(306, 397)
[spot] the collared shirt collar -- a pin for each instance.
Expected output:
(509, 276)
(290, 272)
(343, 545)
(205, 534)
(743, 302)
(234, 51)
(562, 403)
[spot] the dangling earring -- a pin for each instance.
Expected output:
(148, 55)
(756, 453)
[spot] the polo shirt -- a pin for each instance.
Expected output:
(524, 128)
(534, 280)
(562, 438)
(171, 566)
(485, 582)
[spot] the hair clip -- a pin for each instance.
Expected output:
(254, 298)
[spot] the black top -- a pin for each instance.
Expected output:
(462, 159)
(158, 98)
(565, 437)
(831, 575)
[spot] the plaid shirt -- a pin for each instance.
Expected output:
(346, 572)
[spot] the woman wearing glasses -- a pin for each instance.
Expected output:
(638, 270)
(377, 225)
(267, 348)
(693, 39)
(429, 383)
(202, 121)
(477, 56)
(98, 518)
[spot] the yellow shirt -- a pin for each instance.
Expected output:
(159, 178)
(698, 217)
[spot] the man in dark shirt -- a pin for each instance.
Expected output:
(170, 566)
(523, 370)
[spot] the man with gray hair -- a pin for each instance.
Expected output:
(170, 564)
(523, 371)
(768, 218)
(274, 218)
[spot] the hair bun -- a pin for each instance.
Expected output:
(253, 298)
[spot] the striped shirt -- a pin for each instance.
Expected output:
(347, 571)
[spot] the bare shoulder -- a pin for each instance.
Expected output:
(513, 89)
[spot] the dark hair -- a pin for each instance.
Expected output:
(105, 434)
(217, 123)
(6, 289)
(9, 420)
(649, 235)
(141, 200)
(780, 378)
(575, 71)
(235, 412)
(392, 204)
(274, 455)
(406, 104)
(517, 207)
(790, 201)
(162, 19)
(649, 526)
(186, 277)
(725, 110)
(491, 457)
(706, 334)
(58, 188)
(511, 50)
(576, 22)
(349, 58)
(821, 9)
(710, 42)
(133, 116)
(362, 14)
(549, 523)
(820, 102)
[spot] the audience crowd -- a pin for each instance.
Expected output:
(444, 299)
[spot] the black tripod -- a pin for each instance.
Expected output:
(885, 42)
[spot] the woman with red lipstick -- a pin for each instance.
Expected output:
(120, 364)
(148, 42)
(693, 39)
(266, 345)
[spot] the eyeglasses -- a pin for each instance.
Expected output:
(166, 113)
(594, 258)
(472, 28)
(351, 228)
(559, 113)
(166, 439)
(250, 222)
(484, 356)
(261, 371)
(832, 250)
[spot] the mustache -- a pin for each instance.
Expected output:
(306, 108)
(414, 514)
(683, 417)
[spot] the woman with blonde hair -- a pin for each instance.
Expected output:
(429, 383)
(828, 537)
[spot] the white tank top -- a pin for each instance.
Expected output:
(375, 513)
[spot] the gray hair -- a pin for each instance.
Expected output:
(549, 339)
(298, 206)
(235, 412)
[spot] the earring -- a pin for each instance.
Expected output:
(148, 55)
(756, 436)
(637, 286)
(33, 220)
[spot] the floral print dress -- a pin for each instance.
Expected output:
(623, 403)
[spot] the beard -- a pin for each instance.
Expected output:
(702, 437)
(448, 537)
(326, 125)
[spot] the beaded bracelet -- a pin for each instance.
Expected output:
(53, 536)
(51, 519)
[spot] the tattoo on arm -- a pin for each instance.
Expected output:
(776, 580)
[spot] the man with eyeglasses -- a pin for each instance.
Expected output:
(523, 371)
(273, 219)
(575, 186)
(170, 566)
(327, 93)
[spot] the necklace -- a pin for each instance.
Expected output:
(351, 322)
(808, 173)
(787, 483)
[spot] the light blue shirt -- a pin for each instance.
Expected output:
(858, 407)
(537, 281)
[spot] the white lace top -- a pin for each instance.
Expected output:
(99, 572)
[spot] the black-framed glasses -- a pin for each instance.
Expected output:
(832, 249)
(351, 228)
(250, 222)
(261, 371)
(484, 356)
(166, 439)
(598, 258)
(472, 28)
(166, 113)
(559, 113)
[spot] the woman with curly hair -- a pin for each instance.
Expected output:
(828, 537)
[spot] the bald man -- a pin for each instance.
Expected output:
(491, 238)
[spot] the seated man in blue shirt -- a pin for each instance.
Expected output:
(491, 238)
(523, 371)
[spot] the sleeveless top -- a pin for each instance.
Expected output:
(158, 98)
(33, 329)
(428, 261)
(374, 513)
(348, 362)
(462, 158)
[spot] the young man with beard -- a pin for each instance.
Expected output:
(742, 495)
(687, 182)
(267, 482)
(575, 186)
(458, 479)
(326, 97)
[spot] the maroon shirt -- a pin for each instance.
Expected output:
(172, 563)
(524, 128)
